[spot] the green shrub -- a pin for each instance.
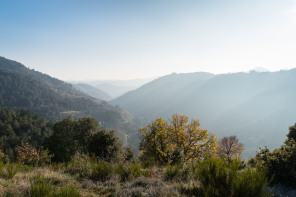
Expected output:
(101, 170)
(145, 172)
(67, 191)
(124, 172)
(147, 162)
(173, 171)
(80, 165)
(219, 178)
(8, 170)
(251, 182)
(216, 177)
(135, 170)
(129, 171)
(40, 187)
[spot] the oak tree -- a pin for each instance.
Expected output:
(165, 140)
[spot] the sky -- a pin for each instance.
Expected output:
(129, 39)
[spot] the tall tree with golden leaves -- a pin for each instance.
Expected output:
(162, 140)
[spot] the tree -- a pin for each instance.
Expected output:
(105, 145)
(229, 147)
(71, 136)
(193, 141)
(165, 141)
(292, 133)
(156, 142)
(281, 162)
(83, 136)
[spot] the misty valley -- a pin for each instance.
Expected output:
(189, 134)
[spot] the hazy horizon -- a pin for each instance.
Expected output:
(122, 40)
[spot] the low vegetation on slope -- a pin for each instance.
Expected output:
(79, 159)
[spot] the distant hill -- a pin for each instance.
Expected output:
(258, 107)
(23, 88)
(92, 91)
(116, 88)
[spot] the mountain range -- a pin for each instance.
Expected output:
(258, 107)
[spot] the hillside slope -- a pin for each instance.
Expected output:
(54, 99)
(92, 91)
(258, 107)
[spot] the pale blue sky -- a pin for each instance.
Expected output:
(126, 39)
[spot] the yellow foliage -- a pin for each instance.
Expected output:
(162, 140)
(27, 154)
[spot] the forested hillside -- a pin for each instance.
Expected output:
(54, 99)
(19, 126)
(92, 91)
(258, 107)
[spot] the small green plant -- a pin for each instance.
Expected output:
(173, 171)
(124, 172)
(8, 170)
(67, 191)
(80, 165)
(40, 187)
(147, 162)
(135, 170)
(101, 170)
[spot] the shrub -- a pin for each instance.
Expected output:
(27, 154)
(124, 172)
(8, 170)
(219, 178)
(101, 171)
(44, 157)
(251, 182)
(173, 171)
(41, 187)
(216, 176)
(67, 191)
(147, 161)
(128, 171)
(135, 170)
(80, 164)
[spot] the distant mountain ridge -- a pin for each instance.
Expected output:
(258, 107)
(54, 99)
(115, 88)
(92, 91)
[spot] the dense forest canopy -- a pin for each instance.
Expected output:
(20, 126)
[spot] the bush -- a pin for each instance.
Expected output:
(251, 182)
(280, 163)
(101, 171)
(27, 154)
(216, 176)
(8, 170)
(219, 178)
(67, 191)
(80, 165)
(128, 171)
(173, 171)
(41, 187)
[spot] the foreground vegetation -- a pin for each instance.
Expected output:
(84, 176)
(177, 158)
